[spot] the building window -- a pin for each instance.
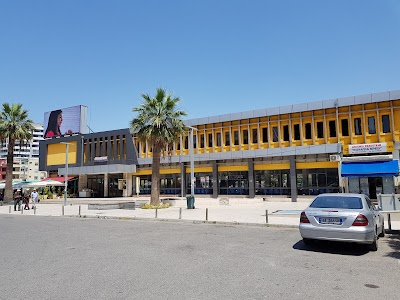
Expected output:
(332, 128)
(201, 140)
(203, 183)
(233, 183)
(254, 137)
(265, 135)
(236, 137)
(286, 133)
(320, 130)
(210, 140)
(218, 139)
(274, 182)
(186, 142)
(371, 125)
(275, 134)
(357, 126)
(345, 127)
(296, 128)
(194, 141)
(308, 131)
(245, 137)
(227, 139)
(385, 123)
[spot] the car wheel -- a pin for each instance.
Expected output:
(374, 245)
(307, 241)
(382, 234)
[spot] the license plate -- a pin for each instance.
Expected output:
(336, 221)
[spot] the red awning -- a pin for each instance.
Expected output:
(60, 179)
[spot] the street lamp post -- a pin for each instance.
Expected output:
(191, 156)
(66, 171)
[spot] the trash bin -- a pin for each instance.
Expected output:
(190, 201)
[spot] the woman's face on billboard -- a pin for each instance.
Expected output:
(59, 119)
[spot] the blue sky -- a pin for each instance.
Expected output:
(218, 56)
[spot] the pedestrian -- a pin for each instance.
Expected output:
(25, 199)
(35, 197)
(17, 200)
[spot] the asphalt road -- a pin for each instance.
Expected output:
(71, 258)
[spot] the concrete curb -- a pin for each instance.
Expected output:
(182, 221)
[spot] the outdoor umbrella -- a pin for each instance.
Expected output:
(45, 183)
(17, 184)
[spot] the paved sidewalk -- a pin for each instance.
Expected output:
(280, 211)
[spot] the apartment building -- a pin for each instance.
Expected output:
(26, 157)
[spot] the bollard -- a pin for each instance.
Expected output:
(206, 214)
(389, 222)
(266, 216)
(79, 211)
(156, 212)
(34, 210)
(22, 210)
(62, 210)
(9, 209)
(180, 213)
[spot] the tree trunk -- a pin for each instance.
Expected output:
(8, 190)
(155, 176)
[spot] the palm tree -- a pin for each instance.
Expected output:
(158, 122)
(14, 126)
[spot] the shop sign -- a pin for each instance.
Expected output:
(100, 159)
(367, 148)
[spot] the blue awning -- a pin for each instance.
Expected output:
(371, 169)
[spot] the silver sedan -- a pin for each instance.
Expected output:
(344, 218)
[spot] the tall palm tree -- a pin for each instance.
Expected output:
(159, 123)
(14, 127)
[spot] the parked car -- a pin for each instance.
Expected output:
(342, 217)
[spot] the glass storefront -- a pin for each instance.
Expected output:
(145, 184)
(170, 184)
(371, 186)
(266, 182)
(272, 182)
(233, 183)
(96, 184)
(317, 181)
(113, 190)
(203, 184)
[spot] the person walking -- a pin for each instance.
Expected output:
(17, 200)
(35, 197)
(25, 199)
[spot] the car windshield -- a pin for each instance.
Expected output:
(337, 202)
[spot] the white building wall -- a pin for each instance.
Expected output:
(26, 157)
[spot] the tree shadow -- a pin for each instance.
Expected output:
(393, 240)
(350, 249)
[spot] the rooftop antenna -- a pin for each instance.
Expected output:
(90, 129)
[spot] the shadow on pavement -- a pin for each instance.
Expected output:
(393, 240)
(332, 248)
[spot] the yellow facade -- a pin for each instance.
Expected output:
(353, 124)
(56, 154)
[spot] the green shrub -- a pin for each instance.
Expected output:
(149, 206)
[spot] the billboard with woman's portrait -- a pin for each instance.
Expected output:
(64, 121)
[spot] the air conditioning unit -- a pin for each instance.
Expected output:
(334, 157)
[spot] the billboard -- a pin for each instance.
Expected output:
(64, 121)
